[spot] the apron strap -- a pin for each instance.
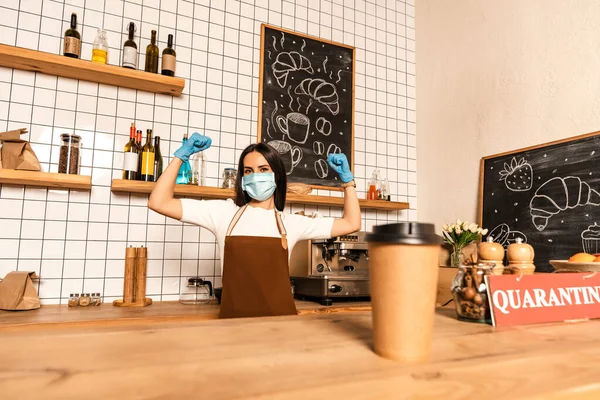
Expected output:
(235, 219)
(282, 230)
(280, 226)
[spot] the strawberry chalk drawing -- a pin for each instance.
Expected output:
(518, 176)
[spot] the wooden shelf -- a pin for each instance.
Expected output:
(204, 192)
(45, 179)
(53, 64)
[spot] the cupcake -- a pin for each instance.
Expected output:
(590, 238)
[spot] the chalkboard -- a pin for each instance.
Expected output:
(549, 195)
(306, 103)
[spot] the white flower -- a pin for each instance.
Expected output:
(445, 227)
(473, 228)
(458, 222)
(458, 230)
(465, 225)
(484, 232)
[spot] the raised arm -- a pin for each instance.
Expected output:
(161, 199)
(351, 221)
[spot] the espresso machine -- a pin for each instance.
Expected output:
(331, 269)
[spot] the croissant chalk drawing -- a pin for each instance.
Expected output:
(288, 62)
(321, 91)
(559, 194)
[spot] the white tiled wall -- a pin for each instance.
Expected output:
(76, 240)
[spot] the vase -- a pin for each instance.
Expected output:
(457, 257)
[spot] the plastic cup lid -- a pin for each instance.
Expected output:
(405, 233)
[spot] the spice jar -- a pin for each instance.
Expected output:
(96, 300)
(229, 175)
(73, 300)
(469, 292)
(68, 162)
(85, 300)
(197, 291)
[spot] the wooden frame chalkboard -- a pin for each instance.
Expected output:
(548, 195)
(306, 103)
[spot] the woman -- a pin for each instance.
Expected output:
(254, 237)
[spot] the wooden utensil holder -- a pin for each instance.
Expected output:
(134, 283)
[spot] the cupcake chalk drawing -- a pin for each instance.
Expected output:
(557, 195)
(518, 176)
(590, 239)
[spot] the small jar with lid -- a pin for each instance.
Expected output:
(68, 162)
(197, 291)
(73, 300)
(85, 300)
(229, 176)
(469, 291)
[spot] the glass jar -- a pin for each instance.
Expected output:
(73, 300)
(197, 291)
(85, 300)
(229, 175)
(470, 294)
(68, 161)
(96, 300)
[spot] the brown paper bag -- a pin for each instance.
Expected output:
(17, 153)
(17, 292)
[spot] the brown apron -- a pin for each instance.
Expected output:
(256, 278)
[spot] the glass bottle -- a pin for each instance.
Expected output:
(184, 176)
(198, 162)
(138, 140)
(85, 300)
(100, 50)
(130, 49)
(98, 300)
(131, 156)
(169, 58)
(72, 46)
(372, 193)
(229, 175)
(74, 300)
(152, 55)
(158, 159)
(147, 171)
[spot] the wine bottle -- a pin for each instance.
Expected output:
(158, 160)
(130, 49)
(100, 50)
(72, 47)
(184, 176)
(131, 156)
(138, 140)
(152, 55)
(169, 58)
(148, 159)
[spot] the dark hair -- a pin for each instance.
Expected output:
(276, 164)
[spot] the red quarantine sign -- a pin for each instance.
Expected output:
(539, 298)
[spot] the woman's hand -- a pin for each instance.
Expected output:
(339, 163)
(193, 145)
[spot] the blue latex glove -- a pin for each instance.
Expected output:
(193, 145)
(339, 163)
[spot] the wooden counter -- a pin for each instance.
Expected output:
(314, 356)
(60, 317)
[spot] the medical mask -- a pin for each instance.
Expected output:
(259, 186)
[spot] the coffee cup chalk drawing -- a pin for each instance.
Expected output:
(306, 107)
(291, 155)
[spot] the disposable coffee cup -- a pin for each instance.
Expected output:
(403, 268)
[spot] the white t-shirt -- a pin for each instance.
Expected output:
(216, 215)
